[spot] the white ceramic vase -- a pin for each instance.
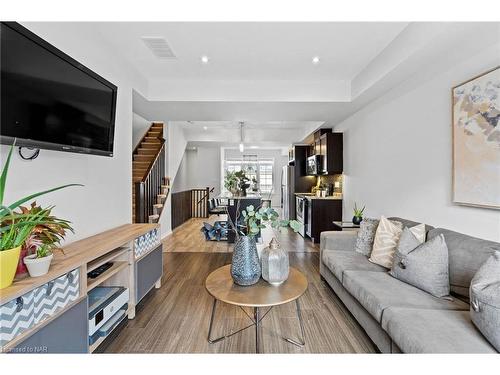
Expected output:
(37, 266)
(275, 263)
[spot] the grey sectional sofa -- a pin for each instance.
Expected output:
(397, 316)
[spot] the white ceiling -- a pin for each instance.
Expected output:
(252, 51)
(262, 73)
(251, 124)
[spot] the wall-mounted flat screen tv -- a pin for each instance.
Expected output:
(51, 101)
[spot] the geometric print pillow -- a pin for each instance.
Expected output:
(386, 242)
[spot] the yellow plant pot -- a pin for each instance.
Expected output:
(8, 264)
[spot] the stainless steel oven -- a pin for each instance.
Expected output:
(301, 213)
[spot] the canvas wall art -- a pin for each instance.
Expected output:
(476, 141)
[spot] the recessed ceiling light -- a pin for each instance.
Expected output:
(205, 127)
(315, 60)
(204, 59)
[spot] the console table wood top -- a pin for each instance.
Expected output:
(76, 254)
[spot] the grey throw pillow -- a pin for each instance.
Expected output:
(366, 236)
(485, 299)
(424, 266)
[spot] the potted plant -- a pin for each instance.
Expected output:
(231, 182)
(245, 265)
(243, 183)
(358, 214)
(15, 228)
(38, 264)
(255, 186)
(50, 232)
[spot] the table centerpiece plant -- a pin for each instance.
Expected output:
(16, 227)
(245, 265)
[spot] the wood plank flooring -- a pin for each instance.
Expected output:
(175, 318)
(189, 238)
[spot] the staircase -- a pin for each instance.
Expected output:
(150, 186)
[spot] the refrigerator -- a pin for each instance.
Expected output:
(287, 192)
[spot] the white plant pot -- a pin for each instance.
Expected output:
(37, 266)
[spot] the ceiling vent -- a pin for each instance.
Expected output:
(159, 47)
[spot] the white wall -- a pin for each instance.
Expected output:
(176, 145)
(397, 154)
(139, 127)
(204, 168)
(105, 200)
(199, 168)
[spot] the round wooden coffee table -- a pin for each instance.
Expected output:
(261, 295)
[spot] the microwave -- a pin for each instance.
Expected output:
(314, 164)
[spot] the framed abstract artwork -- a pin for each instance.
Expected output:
(476, 141)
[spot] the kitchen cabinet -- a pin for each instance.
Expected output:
(321, 213)
(330, 147)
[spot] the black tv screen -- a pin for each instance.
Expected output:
(49, 100)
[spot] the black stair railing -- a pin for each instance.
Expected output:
(148, 189)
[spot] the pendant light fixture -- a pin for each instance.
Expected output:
(242, 146)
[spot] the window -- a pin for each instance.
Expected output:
(255, 168)
(266, 177)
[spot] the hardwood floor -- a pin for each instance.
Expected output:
(175, 318)
(189, 238)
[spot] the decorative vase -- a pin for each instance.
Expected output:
(275, 263)
(245, 266)
(8, 265)
(38, 266)
(357, 220)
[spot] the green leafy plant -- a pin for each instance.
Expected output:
(242, 180)
(52, 230)
(15, 228)
(256, 219)
(358, 212)
(230, 181)
(43, 251)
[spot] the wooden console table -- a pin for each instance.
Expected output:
(50, 313)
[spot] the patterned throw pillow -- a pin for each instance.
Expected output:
(386, 241)
(419, 232)
(366, 235)
(423, 265)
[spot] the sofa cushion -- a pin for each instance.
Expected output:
(410, 223)
(340, 261)
(377, 291)
(386, 241)
(338, 240)
(485, 299)
(366, 236)
(466, 254)
(434, 331)
(424, 265)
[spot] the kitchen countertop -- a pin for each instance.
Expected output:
(311, 196)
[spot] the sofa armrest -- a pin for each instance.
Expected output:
(338, 240)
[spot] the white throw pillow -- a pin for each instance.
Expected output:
(419, 232)
(386, 241)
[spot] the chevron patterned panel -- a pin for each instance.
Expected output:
(16, 317)
(147, 242)
(56, 295)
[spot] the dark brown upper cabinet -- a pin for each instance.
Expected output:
(330, 147)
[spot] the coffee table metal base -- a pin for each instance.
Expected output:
(256, 322)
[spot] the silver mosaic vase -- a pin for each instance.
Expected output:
(245, 266)
(275, 263)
